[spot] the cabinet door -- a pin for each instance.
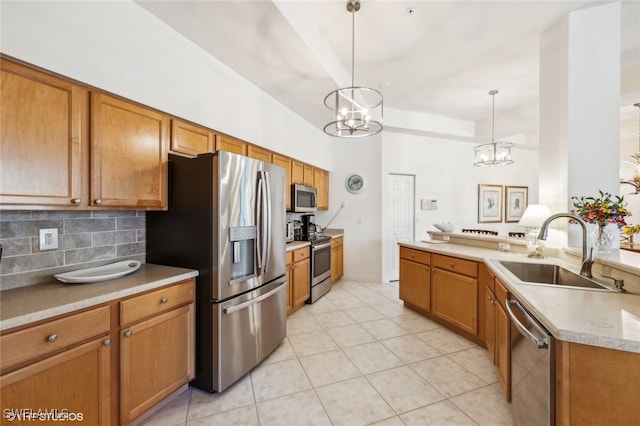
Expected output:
(301, 285)
(321, 182)
(490, 322)
(128, 154)
(76, 380)
(289, 296)
(40, 140)
(259, 153)
(415, 284)
(503, 350)
(297, 172)
(229, 144)
(285, 163)
(156, 359)
(190, 140)
(307, 177)
(455, 299)
(337, 259)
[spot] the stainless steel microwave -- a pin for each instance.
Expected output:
(303, 198)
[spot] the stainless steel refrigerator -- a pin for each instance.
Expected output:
(226, 218)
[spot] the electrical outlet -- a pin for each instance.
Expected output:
(341, 204)
(49, 239)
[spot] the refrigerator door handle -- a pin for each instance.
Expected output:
(240, 306)
(259, 214)
(267, 221)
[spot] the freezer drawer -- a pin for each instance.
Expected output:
(247, 329)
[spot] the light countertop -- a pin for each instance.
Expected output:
(24, 305)
(294, 245)
(592, 317)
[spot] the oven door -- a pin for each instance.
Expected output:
(320, 262)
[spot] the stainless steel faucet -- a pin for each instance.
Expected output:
(587, 261)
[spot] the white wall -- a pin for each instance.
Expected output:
(361, 215)
(444, 171)
(121, 48)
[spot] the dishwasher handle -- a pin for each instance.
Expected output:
(541, 343)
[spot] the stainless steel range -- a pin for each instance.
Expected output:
(320, 279)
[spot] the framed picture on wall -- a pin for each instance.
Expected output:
(516, 201)
(489, 203)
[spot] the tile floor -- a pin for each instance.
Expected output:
(356, 357)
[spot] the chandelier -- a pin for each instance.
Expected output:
(635, 160)
(357, 111)
(494, 153)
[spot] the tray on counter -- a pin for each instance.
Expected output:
(99, 273)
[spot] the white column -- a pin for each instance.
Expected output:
(580, 106)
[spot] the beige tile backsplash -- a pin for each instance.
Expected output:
(85, 239)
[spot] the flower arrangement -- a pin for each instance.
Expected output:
(603, 210)
(630, 231)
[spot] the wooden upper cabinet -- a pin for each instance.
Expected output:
(41, 138)
(285, 163)
(190, 140)
(307, 178)
(258, 153)
(321, 182)
(297, 172)
(128, 154)
(229, 144)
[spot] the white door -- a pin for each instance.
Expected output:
(401, 216)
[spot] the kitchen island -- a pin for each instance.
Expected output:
(597, 333)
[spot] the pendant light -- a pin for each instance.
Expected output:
(635, 160)
(494, 153)
(357, 111)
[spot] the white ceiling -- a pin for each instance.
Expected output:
(442, 59)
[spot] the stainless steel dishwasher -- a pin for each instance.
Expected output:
(532, 368)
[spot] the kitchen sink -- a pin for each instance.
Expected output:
(540, 273)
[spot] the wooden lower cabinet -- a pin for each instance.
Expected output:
(454, 295)
(298, 276)
(73, 364)
(596, 386)
(337, 258)
(415, 279)
(498, 333)
(156, 359)
(74, 383)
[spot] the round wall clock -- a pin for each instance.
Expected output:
(354, 183)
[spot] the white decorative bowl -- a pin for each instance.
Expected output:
(445, 227)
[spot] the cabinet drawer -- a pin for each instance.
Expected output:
(415, 255)
(289, 257)
(35, 342)
(157, 301)
(454, 264)
(300, 254)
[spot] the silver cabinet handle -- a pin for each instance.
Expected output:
(107, 342)
(164, 300)
(75, 201)
(52, 338)
(97, 201)
(128, 333)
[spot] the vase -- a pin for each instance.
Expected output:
(602, 239)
